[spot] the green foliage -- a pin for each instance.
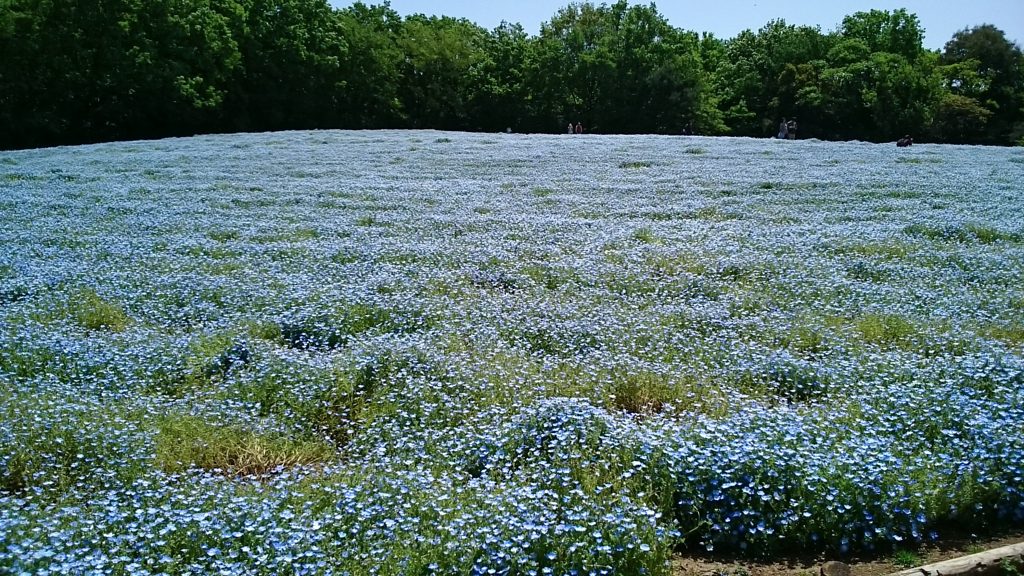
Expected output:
(972, 232)
(1009, 567)
(897, 33)
(990, 69)
(959, 120)
(1011, 333)
(906, 559)
(647, 236)
(57, 444)
(886, 330)
(121, 69)
(184, 442)
(92, 312)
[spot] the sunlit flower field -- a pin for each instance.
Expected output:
(445, 353)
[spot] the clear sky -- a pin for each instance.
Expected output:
(725, 18)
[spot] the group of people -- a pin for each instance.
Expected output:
(578, 129)
(787, 130)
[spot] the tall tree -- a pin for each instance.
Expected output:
(502, 98)
(898, 32)
(574, 73)
(442, 60)
(369, 96)
(989, 69)
(293, 53)
(764, 73)
(79, 71)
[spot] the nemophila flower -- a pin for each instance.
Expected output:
(500, 355)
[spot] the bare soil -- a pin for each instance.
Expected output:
(694, 564)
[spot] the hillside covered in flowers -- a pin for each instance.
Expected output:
(446, 353)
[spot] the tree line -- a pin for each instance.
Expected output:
(77, 71)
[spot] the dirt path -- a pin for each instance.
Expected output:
(706, 565)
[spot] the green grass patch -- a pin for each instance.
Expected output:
(1011, 333)
(204, 361)
(53, 444)
(677, 263)
(716, 214)
(886, 330)
(21, 178)
(879, 249)
(337, 326)
(634, 165)
(803, 341)
(647, 236)
(223, 235)
(90, 311)
(550, 277)
(972, 232)
(695, 150)
(542, 192)
(644, 392)
(866, 272)
(186, 442)
(906, 559)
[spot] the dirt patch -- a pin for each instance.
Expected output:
(719, 565)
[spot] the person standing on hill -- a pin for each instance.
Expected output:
(783, 130)
(579, 128)
(570, 128)
(791, 129)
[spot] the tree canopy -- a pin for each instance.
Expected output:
(77, 71)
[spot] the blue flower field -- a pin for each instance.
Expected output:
(444, 353)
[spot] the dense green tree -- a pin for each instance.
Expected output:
(293, 55)
(896, 33)
(89, 70)
(440, 69)
(573, 74)
(959, 120)
(765, 75)
(990, 70)
(622, 68)
(502, 97)
(369, 96)
(108, 69)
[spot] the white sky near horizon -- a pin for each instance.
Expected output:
(726, 18)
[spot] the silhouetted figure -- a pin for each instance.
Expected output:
(579, 128)
(571, 131)
(783, 130)
(905, 141)
(791, 129)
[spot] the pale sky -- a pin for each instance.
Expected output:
(726, 18)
